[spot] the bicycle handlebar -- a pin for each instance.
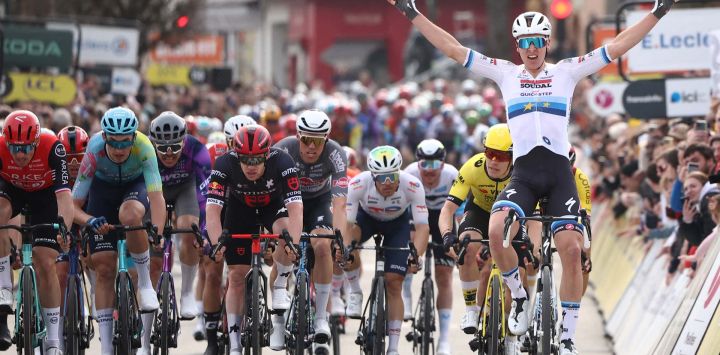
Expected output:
(168, 232)
(225, 236)
(23, 229)
(467, 240)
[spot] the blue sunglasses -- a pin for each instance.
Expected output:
(21, 148)
(538, 42)
(120, 144)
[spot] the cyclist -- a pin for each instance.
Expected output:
(33, 172)
(254, 180)
(378, 203)
(120, 180)
(538, 97)
(209, 286)
(437, 178)
(322, 171)
(484, 175)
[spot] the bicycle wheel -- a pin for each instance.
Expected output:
(495, 322)
(379, 314)
(28, 312)
(165, 319)
(335, 334)
(300, 313)
(123, 330)
(428, 321)
(257, 329)
(546, 316)
(73, 323)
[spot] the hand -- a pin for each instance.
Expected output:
(689, 211)
(99, 225)
(407, 7)
(662, 7)
(450, 240)
(415, 265)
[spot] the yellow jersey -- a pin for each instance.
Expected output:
(473, 177)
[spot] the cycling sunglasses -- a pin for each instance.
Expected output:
(21, 148)
(308, 140)
(430, 164)
(498, 155)
(162, 149)
(120, 144)
(252, 160)
(538, 42)
(389, 178)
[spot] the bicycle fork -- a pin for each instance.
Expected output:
(40, 330)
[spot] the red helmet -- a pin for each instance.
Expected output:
(74, 138)
(252, 140)
(21, 127)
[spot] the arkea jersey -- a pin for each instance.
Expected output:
(327, 175)
(47, 168)
(97, 165)
(362, 193)
(473, 177)
(435, 197)
(538, 108)
(217, 150)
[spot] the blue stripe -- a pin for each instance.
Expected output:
(570, 305)
(469, 61)
(509, 273)
(554, 108)
(605, 55)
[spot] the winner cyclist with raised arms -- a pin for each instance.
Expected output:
(537, 98)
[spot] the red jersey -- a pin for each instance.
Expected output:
(217, 150)
(47, 168)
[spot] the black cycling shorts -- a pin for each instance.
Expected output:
(241, 219)
(437, 253)
(317, 214)
(42, 207)
(396, 233)
(478, 220)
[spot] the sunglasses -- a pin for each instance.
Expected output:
(120, 144)
(252, 160)
(430, 164)
(162, 149)
(538, 42)
(308, 140)
(21, 148)
(390, 178)
(497, 155)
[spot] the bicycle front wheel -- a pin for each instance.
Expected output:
(379, 314)
(495, 320)
(301, 320)
(428, 321)
(165, 318)
(28, 312)
(73, 323)
(547, 314)
(123, 329)
(335, 334)
(257, 329)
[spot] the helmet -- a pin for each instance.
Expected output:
(498, 138)
(74, 138)
(351, 156)
(252, 140)
(485, 109)
(234, 123)
(21, 127)
(289, 123)
(167, 128)
(313, 122)
(531, 23)
(384, 159)
(270, 113)
(119, 121)
(572, 156)
(430, 149)
(472, 117)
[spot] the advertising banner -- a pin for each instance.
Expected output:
(158, 74)
(26, 46)
(687, 97)
(204, 50)
(103, 45)
(54, 89)
(606, 98)
(645, 99)
(125, 81)
(715, 62)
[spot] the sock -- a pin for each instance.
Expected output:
(353, 278)
(105, 324)
(512, 280)
(147, 322)
(5, 273)
(283, 272)
(188, 273)
(233, 320)
(394, 334)
(211, 324)
(142, 265)
(51, 317)
(322, 293)
(445, 315)
(469, 290)
(200, 325)
(337, 284)
(571, 311)
(407, 289)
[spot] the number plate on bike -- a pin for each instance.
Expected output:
(379, 265)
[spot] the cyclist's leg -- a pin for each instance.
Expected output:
(235, 301)
(276, 217)
(473, 225)
(187, 211)
(361, 231)
(11, 201)
(199, 289)
(534, 230)
(397, 234)
(212, 298)
(319, 220)
(444, 266)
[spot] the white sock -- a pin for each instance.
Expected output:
(469, 290)
(105, 324)
(147, 320)
(51, 317)
(407, 289)
(353, 278)
(5, 273)
(571, 312)
(142, 265)
(322, 293)
(337, 284)
(283, 272)
(445, 315)
(233, 320)
(188, 278)
(512, 280)
(394, 334)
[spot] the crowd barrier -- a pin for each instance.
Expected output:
(643, 313)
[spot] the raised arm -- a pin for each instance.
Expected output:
(635, 33)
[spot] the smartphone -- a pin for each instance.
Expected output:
(701, 125)
(693, 167)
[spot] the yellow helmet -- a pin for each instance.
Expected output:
(498, 138)
(270, 113)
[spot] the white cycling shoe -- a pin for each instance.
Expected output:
(337, 307)
(469, 322)
(354, 305)
(188, 307)
(6, 300)
(277, 337)
(148, 300)
(567, 347)
(322, 331)
(281, 299)
(518, 319)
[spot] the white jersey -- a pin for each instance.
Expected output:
(363, 194)
(538, 108)
(435, 197)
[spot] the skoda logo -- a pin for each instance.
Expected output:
(120, 45)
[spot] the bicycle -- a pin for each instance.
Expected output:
(299, 322)
(423, 321)
(127, 326)
(543, 321)
(371, 335)
(167, 322)
(29, 326)
(78, 327)
(256, 321)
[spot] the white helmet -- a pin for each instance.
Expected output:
(313, 122)
(234, 123)
(531, 23)
(384, 159)
(216, 137)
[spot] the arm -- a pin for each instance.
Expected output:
(214, 227)
(202, 172)
(635, 33)
(339, 214)
(295, 212)
(441, 39)
(157, 209)
(445, 222)
(80, 217)
(422, 237)
(66, 209)
(352, 205)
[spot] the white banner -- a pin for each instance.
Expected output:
(715, 61)
(606, 98)
(679, 42)
(125, 81)
(108, 45)
(687, 97)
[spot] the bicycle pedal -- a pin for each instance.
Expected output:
(474, 344)
(359, 340)
(411, 336)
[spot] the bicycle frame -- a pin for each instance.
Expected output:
(75, 271)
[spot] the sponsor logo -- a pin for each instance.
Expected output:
(293, 183)
(569, 226)
(342, 183)
(397, 267)
(175, 176)
(215, 188)
(666, 41)
(60, 150)
(218, 174)
(414, 184)
(287, 172)
(337, 161)
(570, 203)
(269, 184)
(688, 97)
(535, 84)
(257, 200)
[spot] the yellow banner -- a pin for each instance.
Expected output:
(55, 89)
(158, 74)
